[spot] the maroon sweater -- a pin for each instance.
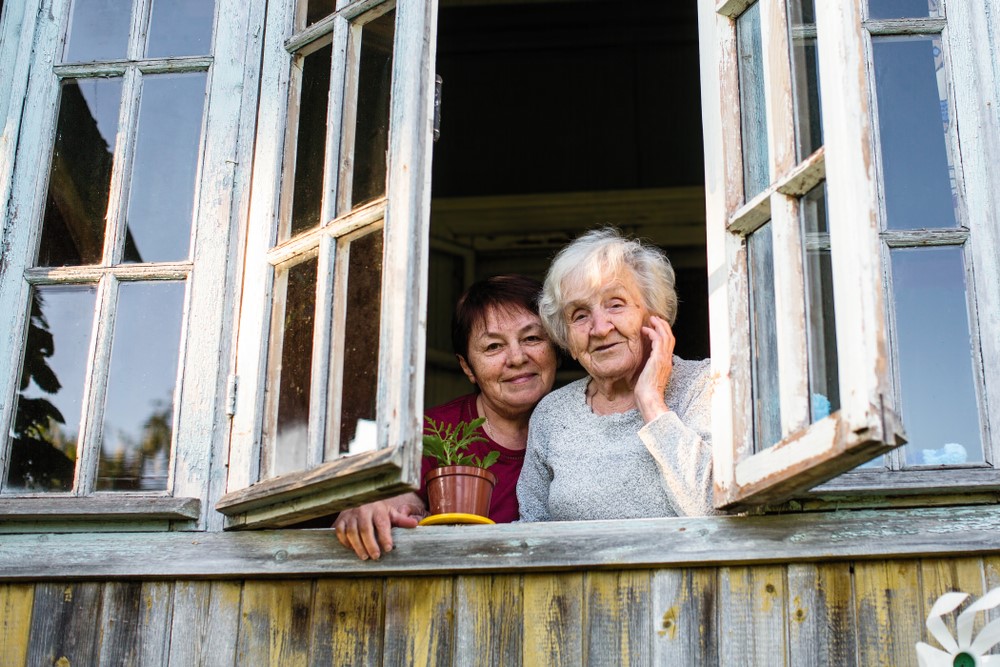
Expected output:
(503, 504)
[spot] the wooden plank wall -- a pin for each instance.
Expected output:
(843, 613)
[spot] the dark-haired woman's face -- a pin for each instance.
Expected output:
(512, 361)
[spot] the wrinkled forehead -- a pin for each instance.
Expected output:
(505, 317)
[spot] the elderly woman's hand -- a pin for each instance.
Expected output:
(652, 382)
(367, 530)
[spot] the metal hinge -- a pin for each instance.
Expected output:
(231, 396)
(438, 81)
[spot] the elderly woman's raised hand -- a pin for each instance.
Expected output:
(655, 375)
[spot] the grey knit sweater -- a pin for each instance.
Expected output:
(580, 465)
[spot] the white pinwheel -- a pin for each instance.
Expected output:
(966, 651)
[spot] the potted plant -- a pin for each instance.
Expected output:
(461, 484)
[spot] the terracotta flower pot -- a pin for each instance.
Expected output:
(460, 489)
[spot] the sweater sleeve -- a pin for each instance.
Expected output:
(682, 449)
(536, 475)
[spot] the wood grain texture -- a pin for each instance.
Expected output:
(944, 575)
(685, 617)
(419, 621)
(207, 616)
(888, 607)
(63, 624)
(274, 623)
(120, 623)
(617, 617)
(752, 616)
(345, 622)
(488, 615)
(553, 619)
(822, 631)
(16, 601)
(154, 618)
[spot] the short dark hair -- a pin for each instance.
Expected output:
(506, 292)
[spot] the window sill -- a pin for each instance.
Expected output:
(114, 508)
(647, 543)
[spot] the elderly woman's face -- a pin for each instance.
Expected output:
(512, 360)
(605, 326)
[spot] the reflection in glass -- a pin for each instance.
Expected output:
(292, 337)
(753, 116)
(310, 141)
(917, 173)
(361, 340)
(180, 28)
(371, 132)
(80, 175)
(46, 424)
(318, 9)
(934, 353)
(763, 339)
(821, 321)
(161, 197)
(98, 30)
(139, 407)
(805, 77)
(903, 9)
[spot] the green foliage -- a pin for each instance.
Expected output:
(448, 443)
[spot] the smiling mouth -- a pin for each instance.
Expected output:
(603, 348)
(521, 378)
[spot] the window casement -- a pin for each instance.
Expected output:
(115, 259)
(330, 350)
(833, 243)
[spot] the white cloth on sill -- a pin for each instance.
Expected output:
(581, 466)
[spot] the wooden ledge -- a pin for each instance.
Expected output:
(647, 543)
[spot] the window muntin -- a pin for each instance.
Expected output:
(363, 421)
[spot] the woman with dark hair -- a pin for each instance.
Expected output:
(505, 352)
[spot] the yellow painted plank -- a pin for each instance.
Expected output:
(889, 611)
(347, 622)
(618, 617)
(821, 620)
(685, 617)
(944, 575)
(487, 620)
(553, 619)
(419, 618)
(752, 615)
(16, 601)
(274, 623)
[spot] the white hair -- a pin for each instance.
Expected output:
(596, 257)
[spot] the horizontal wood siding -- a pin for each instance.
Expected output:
(803, 614)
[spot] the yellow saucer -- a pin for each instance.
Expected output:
(454, 517)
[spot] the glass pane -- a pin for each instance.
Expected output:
(934, 353)
(371, 132)
(361, 338)
(763, 339)
(310, 141)
(80, 176)
(318, 9)
(918, 177)
(805, 77)
(821, 329)
(180, 28)
(50, 402)
(753, 117)
(139, 408)
(903, 9)
(98, 30)
(161, 198)
(294, 343)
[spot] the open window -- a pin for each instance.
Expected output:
(838, 236)
(330, 352)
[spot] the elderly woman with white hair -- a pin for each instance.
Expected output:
(633, 438)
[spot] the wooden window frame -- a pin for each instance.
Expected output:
(225, 140)
(866, 425)
(329, 484)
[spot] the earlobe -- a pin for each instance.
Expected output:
(466, 369)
